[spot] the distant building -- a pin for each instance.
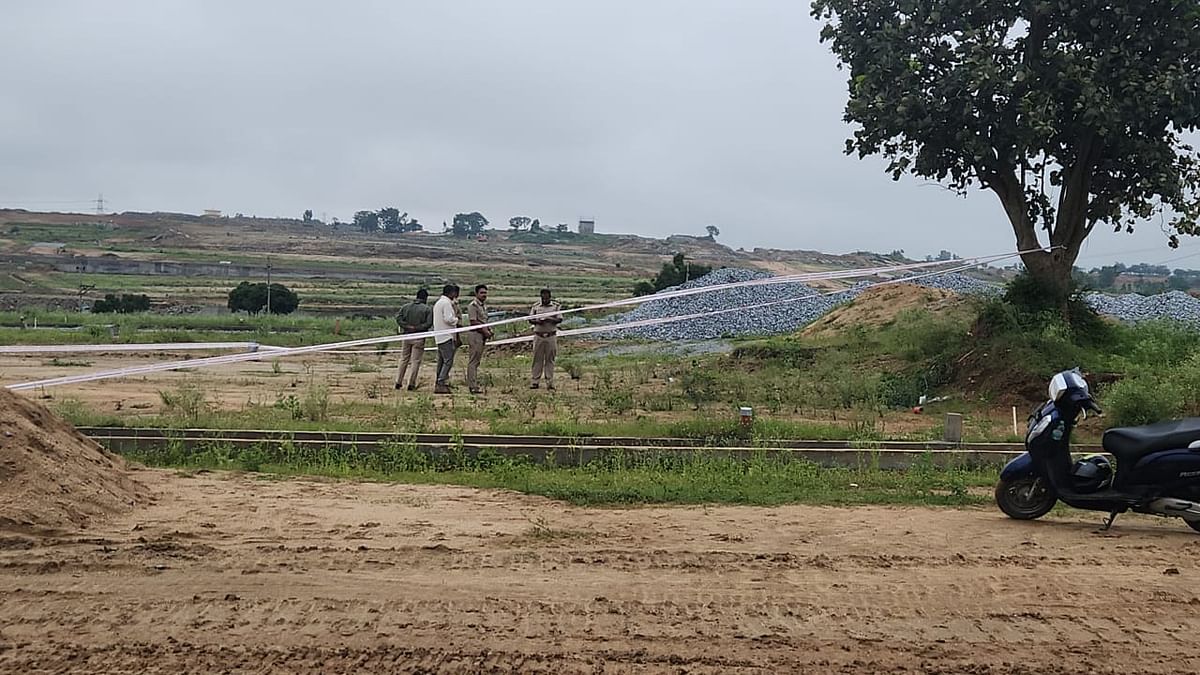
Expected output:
(587, 226)
(212, 213)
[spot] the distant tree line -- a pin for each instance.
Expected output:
(391, 220)
(388, 219)
(1140, 278)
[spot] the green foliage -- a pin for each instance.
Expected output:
(674, 273)
(573, 368)
(252, 298)
(123, 304)
(292, 405)
(468, 224)
(1142, 401)
(1165, 388)
(785, 352)
(917, 335)
(188, 402)
(644, 288)
(315, 404)
(366, 221)
(699, 385)
(615, 478)
(1073, 113)
(388, 219)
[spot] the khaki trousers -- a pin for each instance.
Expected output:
(411, 354)
(545, 350)
(476, 343)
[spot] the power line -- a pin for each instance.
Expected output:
(60, 201)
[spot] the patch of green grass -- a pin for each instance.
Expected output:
(79, 414)
(358, 366)
(57, 362)
(618, 478)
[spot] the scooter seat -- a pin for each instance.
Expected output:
(1128, 444)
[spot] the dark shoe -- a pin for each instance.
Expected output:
(550, 387)
(441, 389)
(411, 387)
(476, 391)
(398, 385)
(534, 385)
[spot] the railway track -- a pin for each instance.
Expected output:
(564, 451)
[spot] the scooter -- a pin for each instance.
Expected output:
(1157, 466)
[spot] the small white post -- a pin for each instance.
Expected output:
(1016, 432)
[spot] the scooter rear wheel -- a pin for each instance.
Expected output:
(1026, 498)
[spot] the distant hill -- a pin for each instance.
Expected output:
(204, 254)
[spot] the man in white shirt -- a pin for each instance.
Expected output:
(445, 317)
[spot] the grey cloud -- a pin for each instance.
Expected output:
(654, 116)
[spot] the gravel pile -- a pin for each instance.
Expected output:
(960, 283)
(791, 316)
(1175, 305)
(781, 318)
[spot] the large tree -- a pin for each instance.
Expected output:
(252, 298)
(367, 221)
(468, 224)
(1073, 112)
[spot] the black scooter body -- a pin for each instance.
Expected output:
(1173, 473)
(1165, 482)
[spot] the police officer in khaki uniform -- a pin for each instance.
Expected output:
(545, 318)
(477, 339)
(415, 317)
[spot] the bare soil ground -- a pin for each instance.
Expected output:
(882, 305)
(234, 386)
(226, 573)
(51, 476)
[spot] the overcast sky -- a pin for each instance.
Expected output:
(652, 116)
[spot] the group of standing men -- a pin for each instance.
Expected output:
(445, 316)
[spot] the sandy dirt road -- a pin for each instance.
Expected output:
(227, 573)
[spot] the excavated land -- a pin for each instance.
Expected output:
(242, 574)
(882, 305)
(53, 478)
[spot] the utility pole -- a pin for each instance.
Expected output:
(100, 204)
(83, 289)
(268, 286)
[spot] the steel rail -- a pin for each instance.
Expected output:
(567, 450)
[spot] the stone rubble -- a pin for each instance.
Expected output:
(809, 304)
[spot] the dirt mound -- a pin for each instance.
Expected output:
(879, 306)
(51, 476)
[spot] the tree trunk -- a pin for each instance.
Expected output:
(1053, 270)
(1050, 267)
